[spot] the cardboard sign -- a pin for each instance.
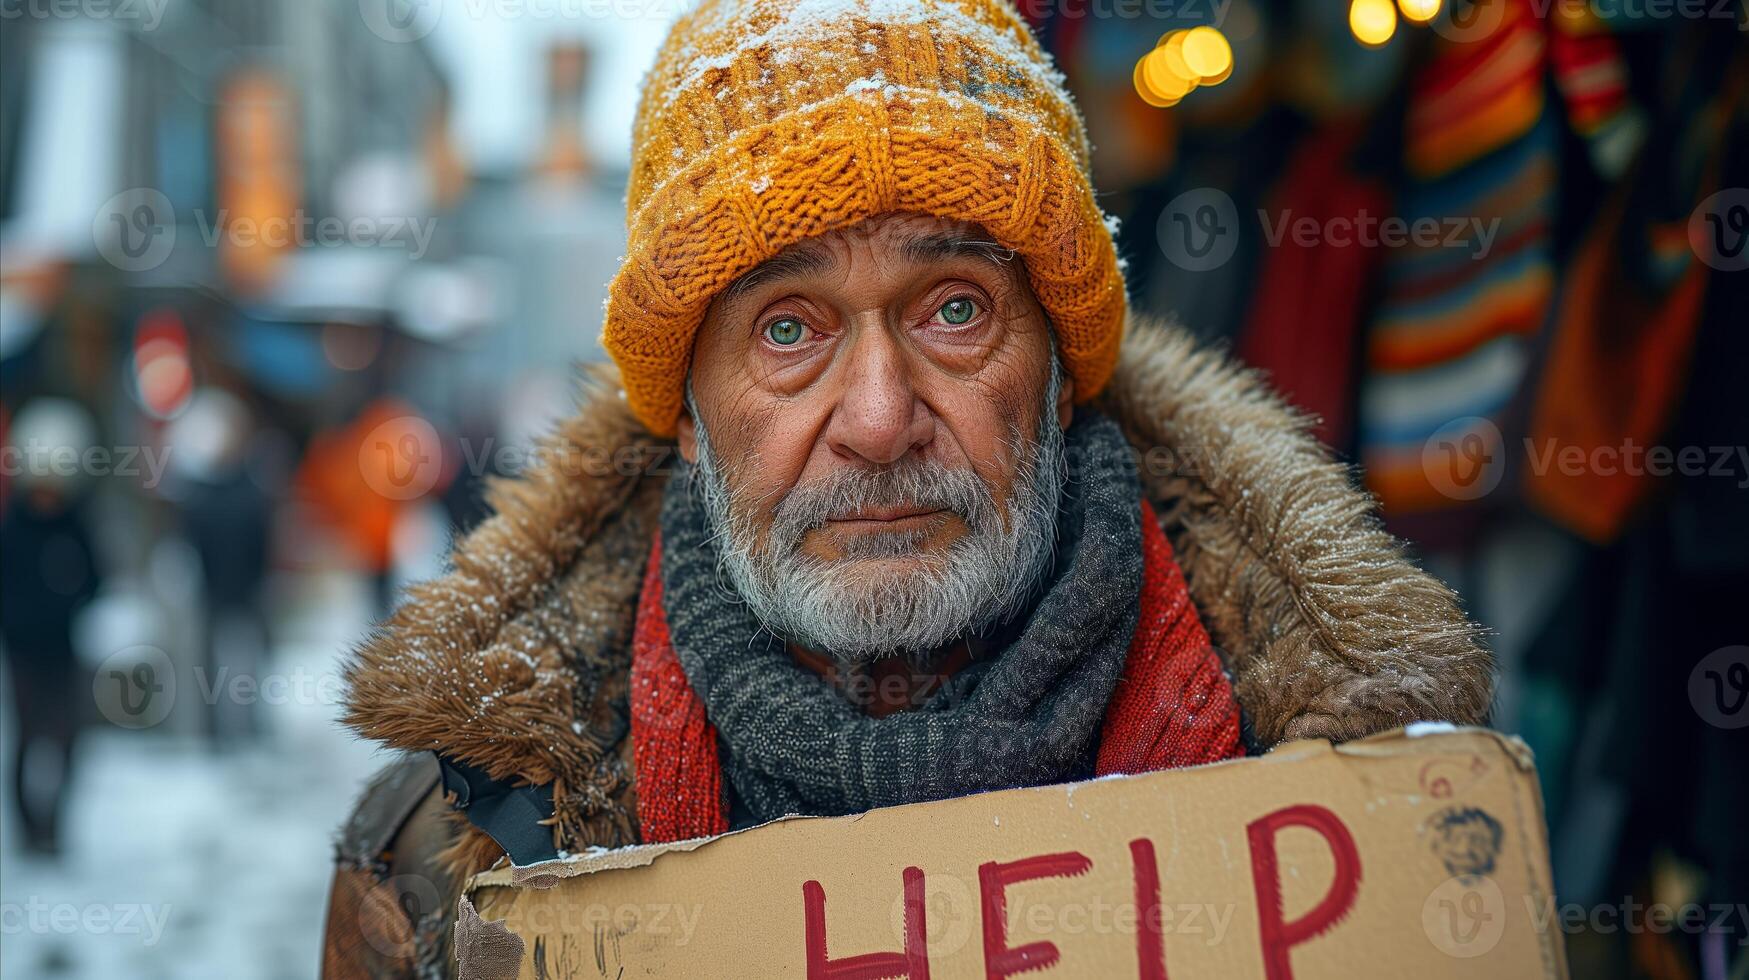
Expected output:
(1415, 854)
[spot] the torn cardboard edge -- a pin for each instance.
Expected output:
(546, 874)
(1426, 826)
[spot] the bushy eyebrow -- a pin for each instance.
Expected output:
(809, 259)
(803, 260)
(953, 245)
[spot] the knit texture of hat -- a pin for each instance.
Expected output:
(768, 122)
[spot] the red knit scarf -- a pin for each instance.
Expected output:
(1173, 705)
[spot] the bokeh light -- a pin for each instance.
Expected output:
(1419, 11)
(1372, 21)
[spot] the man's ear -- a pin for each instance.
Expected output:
(1066, 402)
(688, 437)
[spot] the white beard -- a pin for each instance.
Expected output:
(861, 607)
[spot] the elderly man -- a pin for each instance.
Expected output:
(889, 499)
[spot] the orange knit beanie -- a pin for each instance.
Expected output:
(767, 122)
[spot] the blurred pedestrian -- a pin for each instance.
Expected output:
(227, 518)
(49, 571)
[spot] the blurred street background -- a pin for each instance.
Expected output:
(282, 282)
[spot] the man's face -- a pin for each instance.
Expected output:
(875, 402)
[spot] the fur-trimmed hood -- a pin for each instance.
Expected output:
(516, 661)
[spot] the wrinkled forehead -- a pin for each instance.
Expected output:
(907, 239)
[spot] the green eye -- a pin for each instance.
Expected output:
(958, 311)
(785, 332)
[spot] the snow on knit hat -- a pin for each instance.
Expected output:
(768, 122)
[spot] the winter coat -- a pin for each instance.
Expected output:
(516, 661)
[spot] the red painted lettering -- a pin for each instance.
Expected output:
(912, 963)
(1150, 945)
(1278, 936)
(993, 880)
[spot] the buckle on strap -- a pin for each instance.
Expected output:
(511, 815)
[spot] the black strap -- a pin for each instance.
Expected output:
(511, 815)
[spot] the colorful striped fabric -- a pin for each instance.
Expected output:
(1593, 82)
(1451, 336)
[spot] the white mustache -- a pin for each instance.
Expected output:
(926, 483)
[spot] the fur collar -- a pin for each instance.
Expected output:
(516, 660)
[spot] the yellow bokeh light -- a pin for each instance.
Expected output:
(1170, 54)
(1419, 11)
(1146, 91)
(1206, 51)
(1165, 76)
(1372, 21)
(1182, 61)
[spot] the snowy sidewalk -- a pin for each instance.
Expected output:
(183, 862)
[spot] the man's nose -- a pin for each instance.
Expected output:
(879, 418)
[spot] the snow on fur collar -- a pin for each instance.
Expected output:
(516, 660)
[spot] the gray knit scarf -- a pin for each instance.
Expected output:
(1024, 716)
